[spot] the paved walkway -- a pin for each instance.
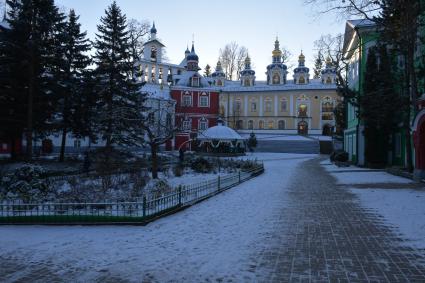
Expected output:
(325, 236)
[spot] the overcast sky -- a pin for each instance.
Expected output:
(253, 24)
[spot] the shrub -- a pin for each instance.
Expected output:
(339, 156)
(27, 184)
(201, 165)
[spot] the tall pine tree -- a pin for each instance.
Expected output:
(30, 47)
(75, 60)
(118, 90)
(318, 65)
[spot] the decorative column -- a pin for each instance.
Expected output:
(275, 105)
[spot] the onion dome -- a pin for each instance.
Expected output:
(247, 70)
(218, 71)
(329, 68)
(301, 65)
(277, 52)
(153, 29)
(192, 55)
(187, 51)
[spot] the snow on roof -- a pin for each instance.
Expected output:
(361, 23)
(231, 86)
(219, 132)
(155, 91)
(184, 79)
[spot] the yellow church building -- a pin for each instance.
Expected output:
(278, 105)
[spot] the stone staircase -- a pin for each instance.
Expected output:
(288, 146)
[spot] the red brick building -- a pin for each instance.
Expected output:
(196, 103)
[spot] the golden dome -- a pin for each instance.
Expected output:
(328, 60)
(301, 57)
(277, 53)
(247, 60)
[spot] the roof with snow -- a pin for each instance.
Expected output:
(235, 86)
(156, 91)
(184, 79)
(220, 132)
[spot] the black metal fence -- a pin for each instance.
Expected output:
(139, 211)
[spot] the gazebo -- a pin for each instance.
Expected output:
(221, 140)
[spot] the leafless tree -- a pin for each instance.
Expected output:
(329, 46)
(348, 8)
(137, 36)
(232, 58)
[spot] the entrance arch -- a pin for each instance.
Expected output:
(303, 128)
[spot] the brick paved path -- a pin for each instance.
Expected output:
(325, 236)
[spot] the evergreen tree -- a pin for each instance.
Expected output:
(75, 45)
(118, 90)
(30, 48)
(252, 141)
(378, 105)
(318, 65)
(207, 72)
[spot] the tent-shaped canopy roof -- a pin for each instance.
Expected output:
(220, 132)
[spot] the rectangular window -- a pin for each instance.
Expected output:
(283, 105)
(187, 100)
(203, 101)
(238, 105)
(186, 125)
(268, 106)
(253, 106)
(195, 81)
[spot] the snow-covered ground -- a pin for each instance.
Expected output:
(213, 240)
(403, 208)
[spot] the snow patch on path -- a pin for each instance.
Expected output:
(402, 208)
(213, 240)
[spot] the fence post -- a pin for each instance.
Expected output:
(239, 176)
(180, 195)
(144, 206)
(218, 183)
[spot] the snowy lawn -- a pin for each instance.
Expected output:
(402, 208)
(214, 240)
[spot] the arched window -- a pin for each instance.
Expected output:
(247, 82)
(301, 80)
(195, 81)
(328, 80)
(302, 110)
(327, 104)
(281, 124)
(253, 106)
(153, 53)
(203, 124)
(271, 124)
(276, 78)
(261, 125)
(250, 125)
(238, 105)
(219, 83)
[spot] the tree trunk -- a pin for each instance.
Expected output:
(62, 153)
(154, 157)
(30, 121)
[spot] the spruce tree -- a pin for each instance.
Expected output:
(117, 114)
(75, 60)
(30, 48)
(207, 71)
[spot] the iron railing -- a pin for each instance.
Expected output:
(139, 211)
